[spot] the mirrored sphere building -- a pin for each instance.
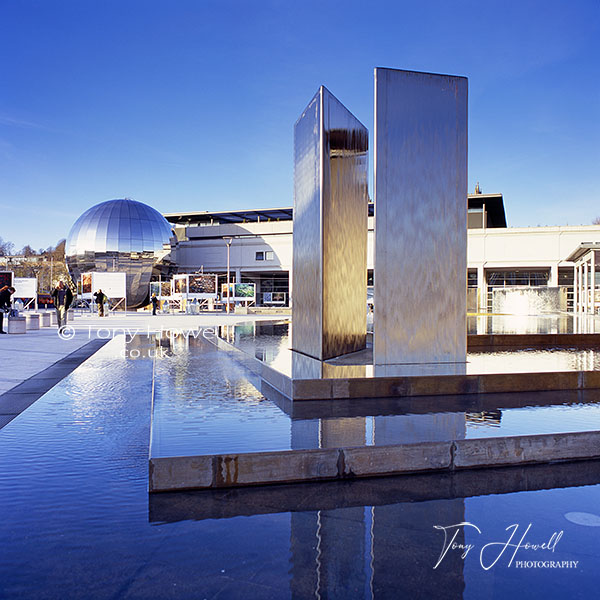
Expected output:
(122, 236)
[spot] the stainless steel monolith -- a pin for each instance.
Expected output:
(420, 217)
(330, 230)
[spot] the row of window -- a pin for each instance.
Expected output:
(265, 255)
(530, 278)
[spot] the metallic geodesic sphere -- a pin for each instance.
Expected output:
(122, 236)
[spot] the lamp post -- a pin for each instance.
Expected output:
(228, 241)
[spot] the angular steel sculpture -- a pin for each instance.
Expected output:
(330, 230)
(420, 217)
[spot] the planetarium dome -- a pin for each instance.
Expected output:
(123, 236)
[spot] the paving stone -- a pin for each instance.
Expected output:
(6, 419)
(11, 403)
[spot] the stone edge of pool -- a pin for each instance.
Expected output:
(295, 466)
(326, 464)
(425, 385)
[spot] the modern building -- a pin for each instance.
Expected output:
(498, 256)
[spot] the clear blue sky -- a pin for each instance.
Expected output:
(190, 104)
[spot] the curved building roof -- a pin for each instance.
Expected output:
(122, 225)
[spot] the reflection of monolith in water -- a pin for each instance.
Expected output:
(329, 554)
(388, 551)
(330, 230)
(328, 546)
(420, 217)
(384, 551)
(406, 547)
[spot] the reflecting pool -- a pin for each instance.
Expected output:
(205, 402)
(269, 342)
(77, 521)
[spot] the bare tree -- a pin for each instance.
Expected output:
(596, 221)
(6, 247)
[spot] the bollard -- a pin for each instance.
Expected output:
(17, 325)
(32, 321)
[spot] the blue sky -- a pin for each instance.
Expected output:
(190, 105)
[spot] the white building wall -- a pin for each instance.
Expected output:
(487, 249)
(205, 247)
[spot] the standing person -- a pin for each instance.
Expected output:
(100, 298)
(5, 303)
(63, 297)
(154, 301)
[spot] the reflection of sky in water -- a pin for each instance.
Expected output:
(77, 521)
(207, 403)
(204, 399)
(526, 324)
(270, 343)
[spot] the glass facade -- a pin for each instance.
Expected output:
(122, 236)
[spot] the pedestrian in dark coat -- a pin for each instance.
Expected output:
(63, 297)
(5, 303)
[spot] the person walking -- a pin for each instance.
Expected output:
(100, 298)
(5, 302)
(154, 301)
(62, 297)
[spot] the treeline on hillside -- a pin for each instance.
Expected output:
(48, 265)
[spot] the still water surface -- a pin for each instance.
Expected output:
(77, 521)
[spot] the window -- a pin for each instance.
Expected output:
(260, 256)
(472, 278)
(269, 255)
(517, 278)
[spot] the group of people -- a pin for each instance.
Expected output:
(61, 295)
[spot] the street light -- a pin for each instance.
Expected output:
(228, 241)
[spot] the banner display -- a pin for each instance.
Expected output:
(155, 288)
(86, 283)
(274, 298)
(203, 286)
(6, 278)
(165, 289)
(113, 285)
(239, 291)
(180, 284)
(26, 287)
(199, 286)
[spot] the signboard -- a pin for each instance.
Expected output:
(45, 301)
(25, 287)
(6, 278)
(165, 289)
(113, 285)
(203, 286)
(86, 283)
(155, 288)
(199, 286)
(239, 291)
(274, 298)
(244, 291)
(180, 284)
